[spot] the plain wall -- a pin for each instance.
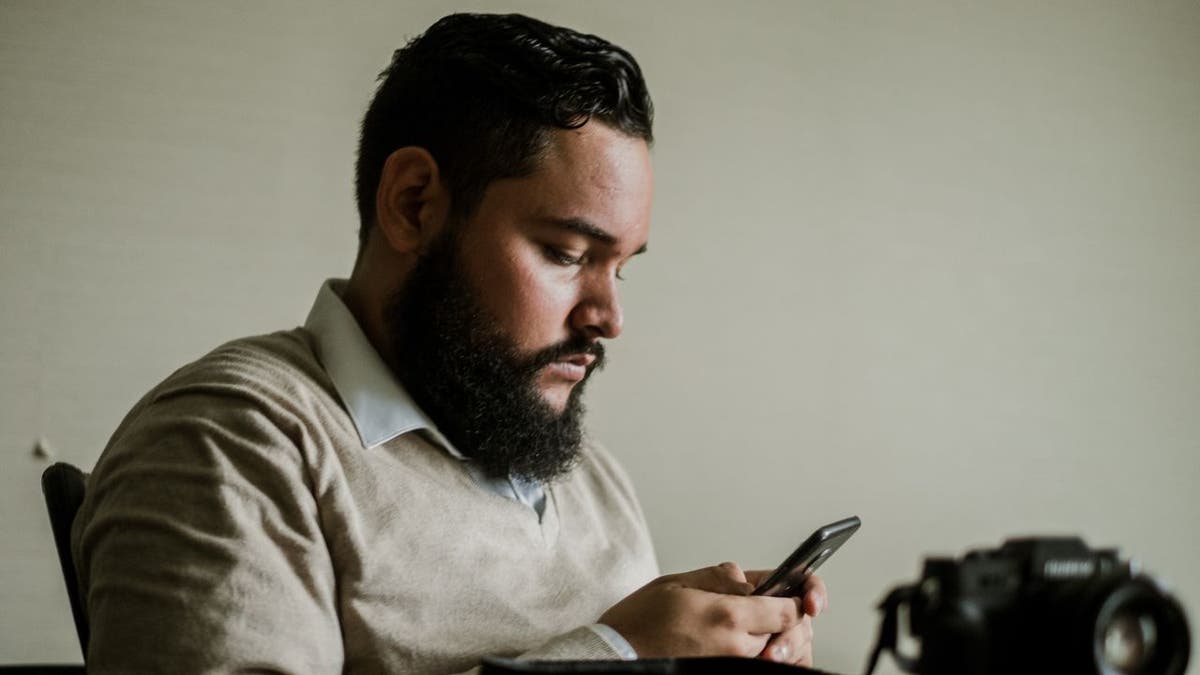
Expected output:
(933, 263)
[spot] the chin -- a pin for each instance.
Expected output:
(556, 399)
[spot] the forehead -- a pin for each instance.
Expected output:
(593, 173)
(597, 155)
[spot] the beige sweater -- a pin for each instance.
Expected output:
(235, 521)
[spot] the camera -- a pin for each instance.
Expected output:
(1037, 605)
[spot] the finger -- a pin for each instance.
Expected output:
(816, 596)
(726, 578)
(793, 646)
(756, 577)
(732, 570)
(747, 645)
(757, 614)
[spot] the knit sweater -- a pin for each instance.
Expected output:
(235, 521)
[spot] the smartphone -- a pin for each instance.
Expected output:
(788, 579)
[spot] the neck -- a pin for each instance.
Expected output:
(371, 284)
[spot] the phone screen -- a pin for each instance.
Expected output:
(788, 579)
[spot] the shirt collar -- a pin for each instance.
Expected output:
(378, 404)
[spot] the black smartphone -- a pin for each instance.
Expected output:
(788, 579)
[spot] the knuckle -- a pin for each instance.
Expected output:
(725, 571)
(791, 612)
(787, 618)
(723, 614)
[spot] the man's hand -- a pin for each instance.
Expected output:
(710, 612)
(795, 646)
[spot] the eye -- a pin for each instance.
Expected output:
(557, 256)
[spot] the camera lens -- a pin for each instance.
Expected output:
(1129, 642)
(1140, 630)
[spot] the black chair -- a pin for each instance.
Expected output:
(63, 486)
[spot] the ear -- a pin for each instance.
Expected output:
(411, 202)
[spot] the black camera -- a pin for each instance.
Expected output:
(1037, 605)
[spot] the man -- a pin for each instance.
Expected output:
(403, 484)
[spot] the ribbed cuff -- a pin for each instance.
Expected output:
(582, 644)
(615, 640)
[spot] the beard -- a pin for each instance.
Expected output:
(469, 377)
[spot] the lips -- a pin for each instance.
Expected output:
(583, 360)
(572, 368)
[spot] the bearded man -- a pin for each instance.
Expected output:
(403, 484)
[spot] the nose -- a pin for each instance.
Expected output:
(598, 314)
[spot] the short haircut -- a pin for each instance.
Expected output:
(480, 92)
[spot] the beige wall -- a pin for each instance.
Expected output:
(936, 264)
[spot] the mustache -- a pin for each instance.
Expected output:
(572, 346)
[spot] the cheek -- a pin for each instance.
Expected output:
(530, 299)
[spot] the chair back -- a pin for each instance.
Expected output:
(63, 486)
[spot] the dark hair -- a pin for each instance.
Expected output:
(480, 92)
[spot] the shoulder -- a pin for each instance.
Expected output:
(271, 381)
(282, 360)
(276, 372)
(254, 411)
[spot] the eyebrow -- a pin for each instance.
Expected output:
(587, 229)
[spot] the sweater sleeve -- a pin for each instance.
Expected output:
(585, 643)
(198, 546)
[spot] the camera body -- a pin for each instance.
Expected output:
(1044, 605)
